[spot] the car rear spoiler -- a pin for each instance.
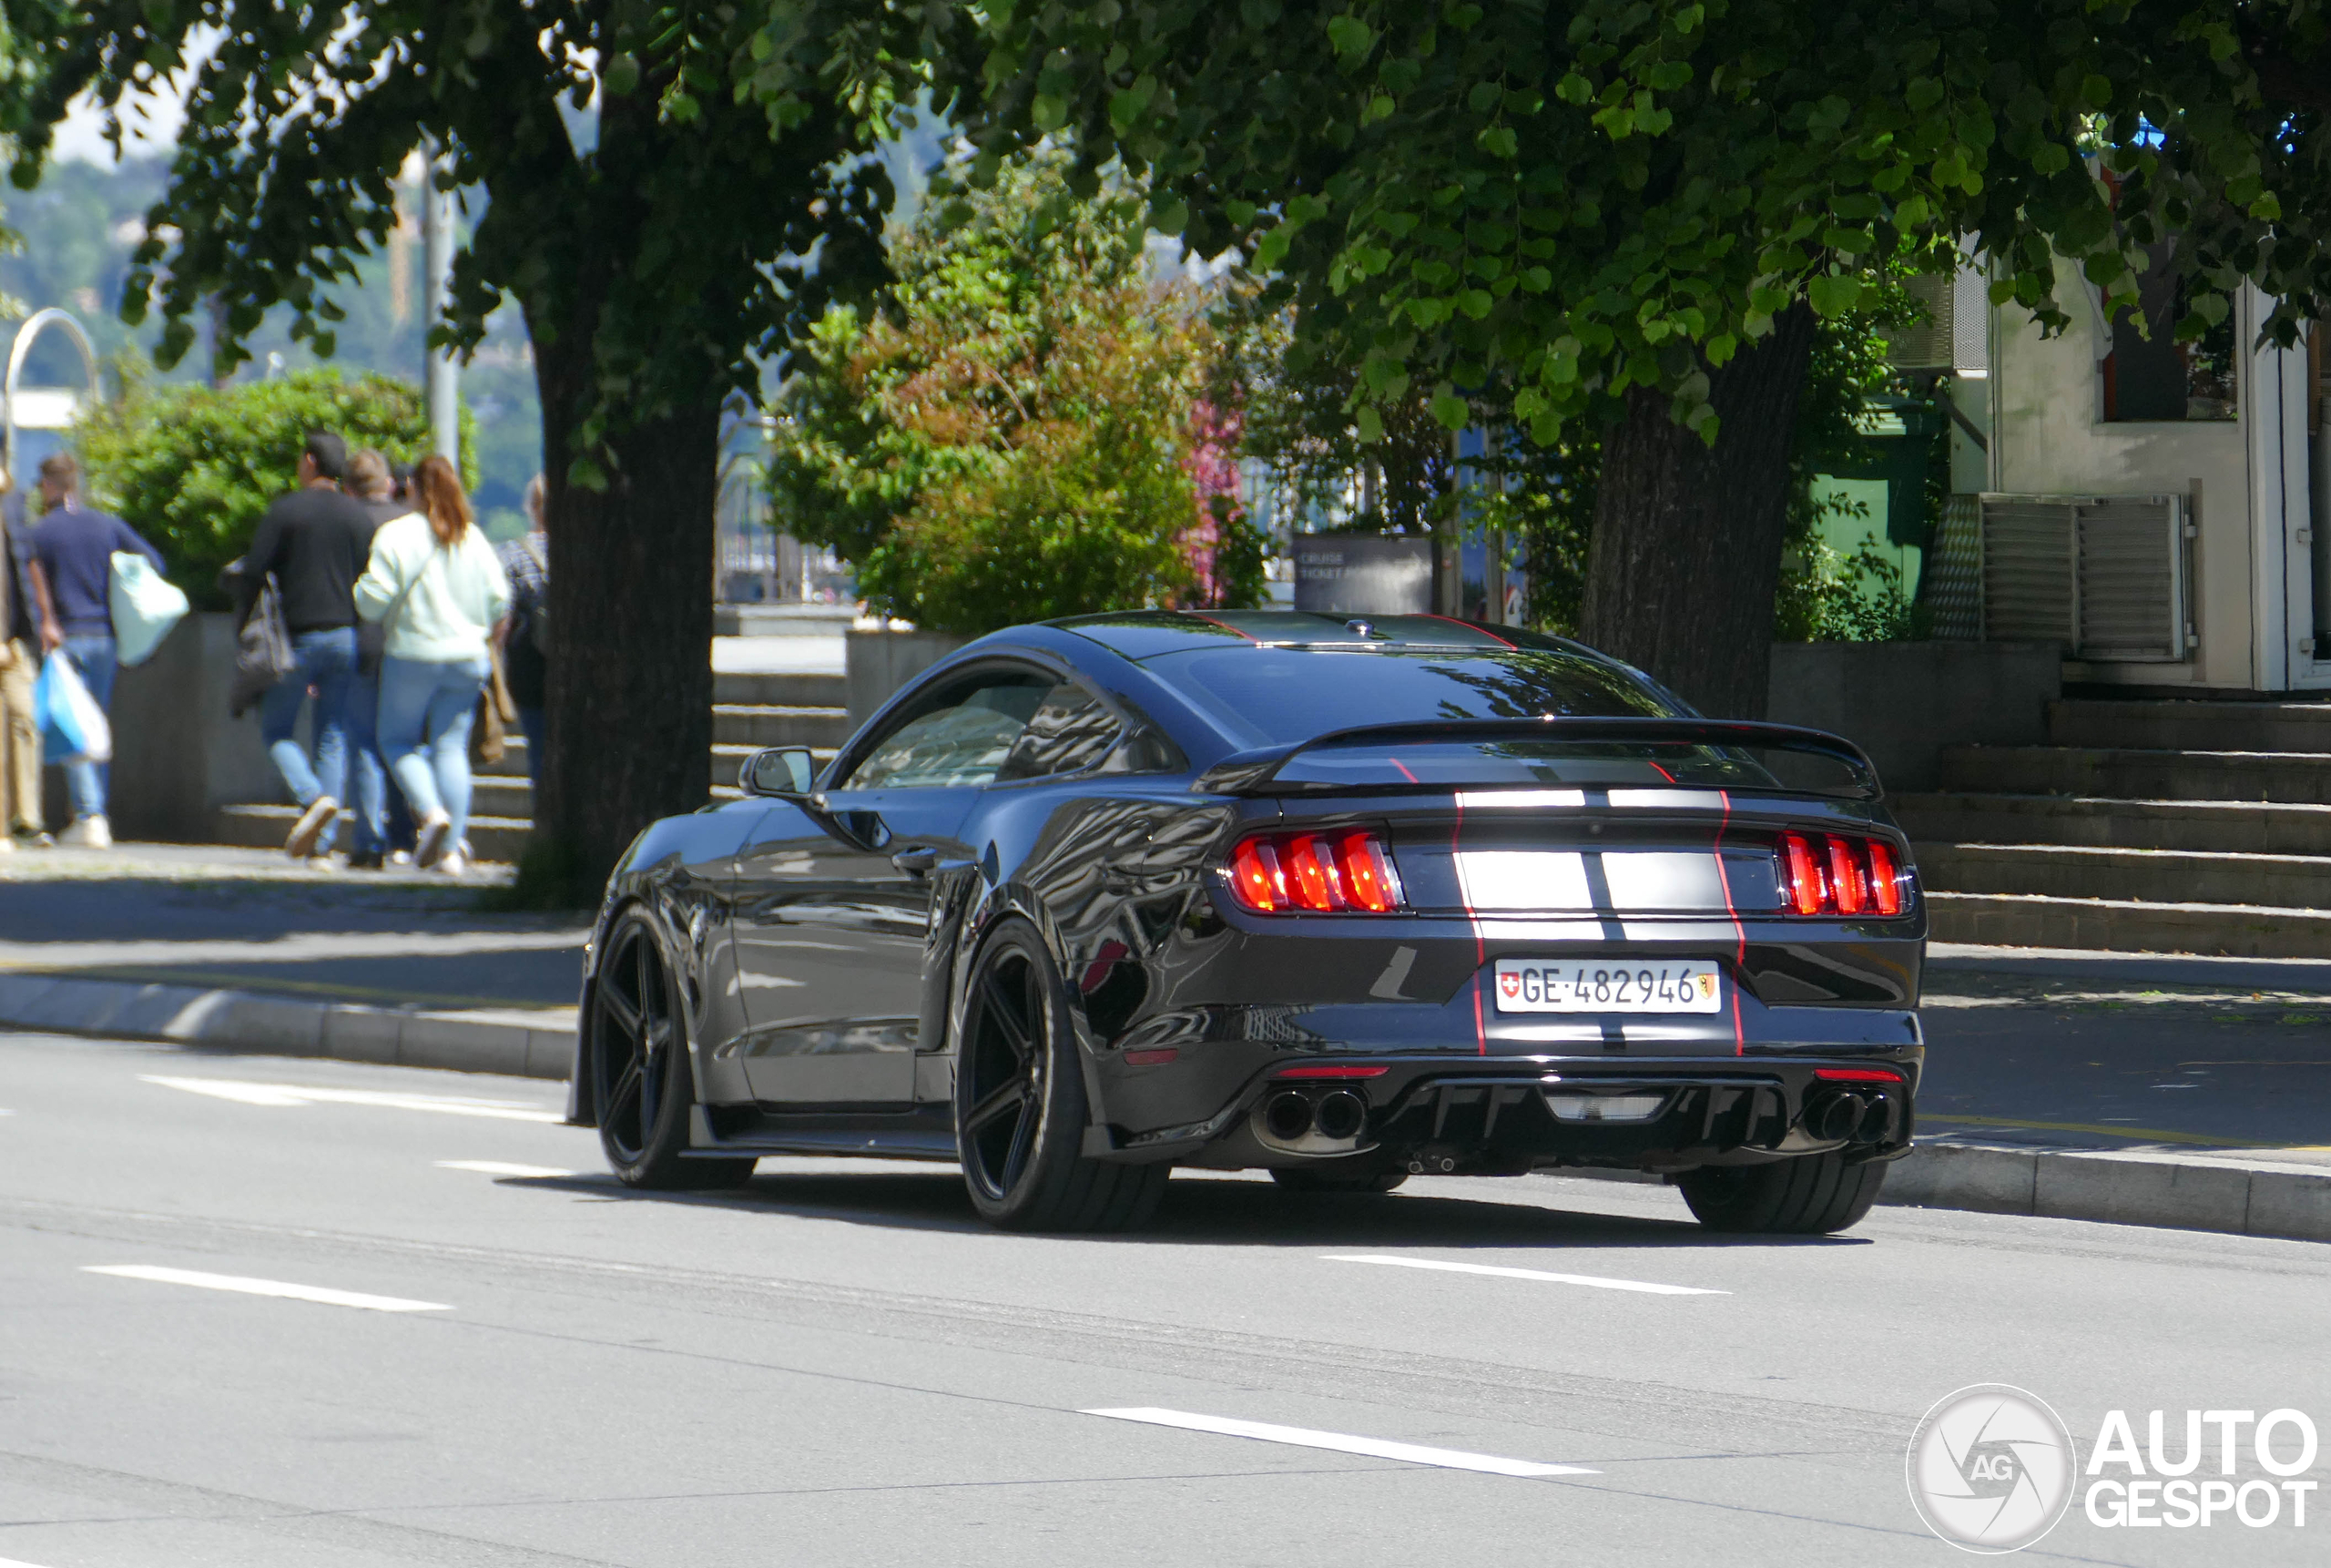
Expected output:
(1253, 772)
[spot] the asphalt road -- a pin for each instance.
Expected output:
(260, 1312)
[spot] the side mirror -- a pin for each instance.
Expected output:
(780, 770)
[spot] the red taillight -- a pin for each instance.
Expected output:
(1321, 873)
(1857, 1075)
(1836, 874)
(1334, 1072)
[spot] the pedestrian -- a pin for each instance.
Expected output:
(434, 582)
(527, 646)
(27, 631)
(384, 833)
(314, 542)
(74, 546)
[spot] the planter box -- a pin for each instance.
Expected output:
(1904, 702)
(877, 663)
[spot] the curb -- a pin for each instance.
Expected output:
(266, 1024)
(2117, 1187)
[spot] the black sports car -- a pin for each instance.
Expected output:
(1342, 900)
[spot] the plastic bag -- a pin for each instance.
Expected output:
(145, 604)
(72, 725)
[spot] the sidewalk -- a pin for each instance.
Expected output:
(246, 949)
(2141, 1089)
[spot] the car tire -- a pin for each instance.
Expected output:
(642, 1084)
(1810, 1195)
(1020, 1106)
(1307, 1178)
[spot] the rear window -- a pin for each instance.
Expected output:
(1270, 697)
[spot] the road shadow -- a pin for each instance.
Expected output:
(1199, 1212)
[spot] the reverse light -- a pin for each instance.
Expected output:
(1837, 874)
(1343, 872)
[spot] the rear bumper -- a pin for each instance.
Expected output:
(1508, 1115)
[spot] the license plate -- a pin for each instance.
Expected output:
(1605, 985)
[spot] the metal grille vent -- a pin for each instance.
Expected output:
(2105, 576)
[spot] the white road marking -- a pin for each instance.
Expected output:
(12, 1562)
(265, 1288)
(497, 1168)
(288, 1095)
(1339, 1443)
(1599, 1283)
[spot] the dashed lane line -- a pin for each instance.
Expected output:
(244, 1092)
(497, 1168)
(1642, 1286)
(1343, 1443)
(237, 1284)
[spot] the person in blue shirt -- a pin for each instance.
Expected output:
(74, 547)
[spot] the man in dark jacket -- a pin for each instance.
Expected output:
(27, 631)
(314, 542)
(74, 547)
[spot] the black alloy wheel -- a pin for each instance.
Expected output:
(1020, 1104)
(1809, 1195)
(641, 1082)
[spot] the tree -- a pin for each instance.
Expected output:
(1015, 431)
(1632, 214)
(193, 467)
(672, 193)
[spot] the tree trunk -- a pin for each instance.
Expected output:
(629, 704)
(1686, 552)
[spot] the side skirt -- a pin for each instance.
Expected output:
(878, 1132)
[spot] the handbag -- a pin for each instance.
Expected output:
(490, 726)
(144, 604)
(263, 651)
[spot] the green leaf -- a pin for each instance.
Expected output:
(621, 77)
(1832, 294)
(1352, 38)
(1452, 412)
(1368, 424)
(1048, 113)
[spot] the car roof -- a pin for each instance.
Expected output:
(1149, 634)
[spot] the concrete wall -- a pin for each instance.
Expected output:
(878, 663)
(2049, 438)
(1904, 702)
(177, 755)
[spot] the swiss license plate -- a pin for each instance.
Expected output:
(1607, 985)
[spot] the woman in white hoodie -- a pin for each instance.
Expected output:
(436, 581)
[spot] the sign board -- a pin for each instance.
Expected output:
(1363, 575)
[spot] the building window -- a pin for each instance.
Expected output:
(2157, 377)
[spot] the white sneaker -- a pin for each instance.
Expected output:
(399, 858)
(300, 843)
(89, 834)
(450, 864)
(432, 843)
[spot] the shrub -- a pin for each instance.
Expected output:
(193, 467)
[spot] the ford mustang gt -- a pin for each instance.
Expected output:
(1341, 899)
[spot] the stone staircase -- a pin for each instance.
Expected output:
(2147, 826)
(748, 712)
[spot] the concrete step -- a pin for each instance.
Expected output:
(2144, 876)
(2246, 827)
(2236, 930)
(264, 827)
(739, 724)
(772, 690)
(2128, 774)
(2172, 725)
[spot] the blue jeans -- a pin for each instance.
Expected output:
(328, 667)
(425, 713)
(92, 654)
(372, 794)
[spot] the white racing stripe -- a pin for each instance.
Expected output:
(236, 1283)
(289, 1095)
(1339, 1443)
(1599, 1283)
(501, 1168)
